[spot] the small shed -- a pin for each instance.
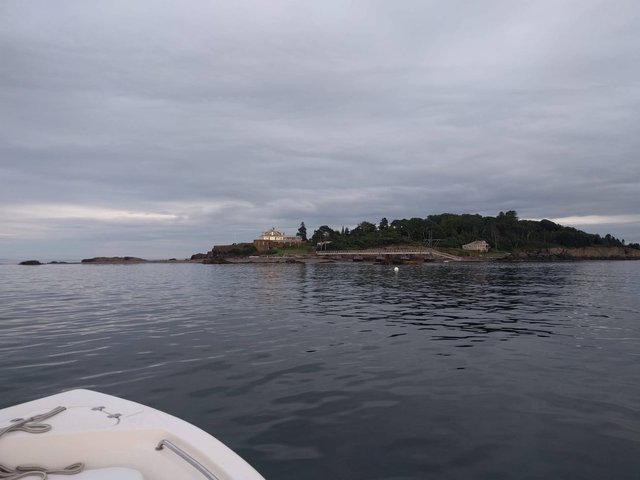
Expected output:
(477, 246)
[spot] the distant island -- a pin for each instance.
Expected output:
(469, 237)
(107, 261)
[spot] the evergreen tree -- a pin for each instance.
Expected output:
(503, 232)
(302, 232)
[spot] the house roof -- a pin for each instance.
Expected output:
(273, 233)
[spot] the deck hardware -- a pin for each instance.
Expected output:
(188, 458)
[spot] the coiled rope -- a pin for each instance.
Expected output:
(34, 425)
(22, 471)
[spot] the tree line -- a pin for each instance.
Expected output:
(503, 232)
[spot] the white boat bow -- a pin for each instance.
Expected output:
(114, 439)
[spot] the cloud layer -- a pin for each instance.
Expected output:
(161, 128)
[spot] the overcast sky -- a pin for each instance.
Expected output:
(158, 129)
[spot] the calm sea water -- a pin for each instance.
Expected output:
(341, 371)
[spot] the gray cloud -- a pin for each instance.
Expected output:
(178, 125)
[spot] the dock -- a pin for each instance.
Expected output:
(390, 254)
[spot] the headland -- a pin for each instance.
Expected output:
(437, 238)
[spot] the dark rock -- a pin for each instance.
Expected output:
(215, 261)
(541, 255)
(110, 260)
(561, 254)
(235, 250)
(31, 262)
(198, 256)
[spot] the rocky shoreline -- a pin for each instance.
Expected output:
(556, 254)
(559, 254)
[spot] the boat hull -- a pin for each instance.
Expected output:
(103, 431)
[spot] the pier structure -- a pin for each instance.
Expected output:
(381, 255)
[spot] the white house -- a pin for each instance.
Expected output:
(477, 246)
(272, 238)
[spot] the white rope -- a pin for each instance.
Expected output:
(34, 425)
(23, 471)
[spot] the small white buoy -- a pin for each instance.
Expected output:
(396, 269)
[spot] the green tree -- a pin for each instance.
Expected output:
(323, 234)
(364, 228)
(384, 224)
(302, 232)
(504, 231)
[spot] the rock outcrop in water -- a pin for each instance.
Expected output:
(114, 260)
(31, 262)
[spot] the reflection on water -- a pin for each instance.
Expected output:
(350, 371)
(454, 302)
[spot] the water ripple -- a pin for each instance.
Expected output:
(350, 371)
